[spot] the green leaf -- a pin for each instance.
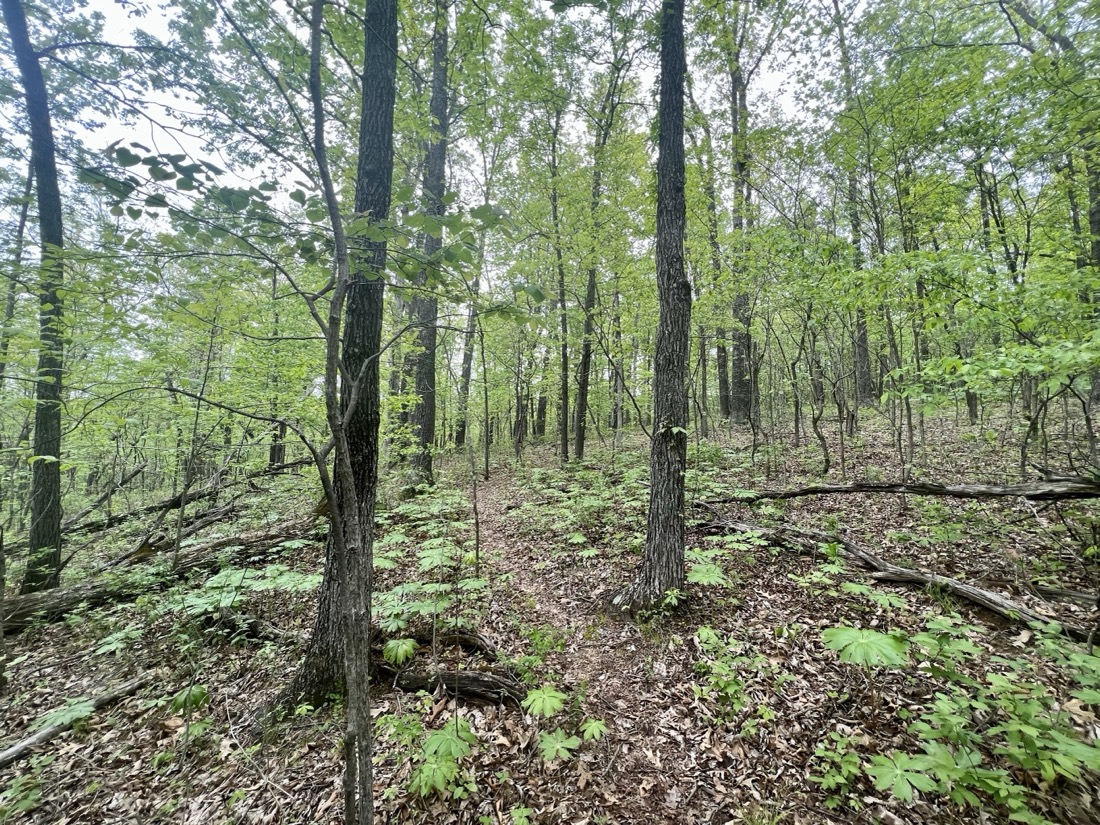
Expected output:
(453, 742)
(399, 651)
(556, 745)
(126, 158)
(868, 648)
(709, 575)
(435, 774)
(544, 701)
(899, 773)
(73, 711)
(592, 729)
(190, 698)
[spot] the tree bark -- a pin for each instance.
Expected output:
(44, 560)
(663, 558)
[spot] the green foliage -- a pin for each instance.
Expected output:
(73, 711)
(867, 648)
(399, 651)
(451, 742)
(557, 745)
(546, 701)
(593, 729)
(838, 766)
(438, 768)
(900, 774)
(190, 699)
(119, 641)
(24, 793)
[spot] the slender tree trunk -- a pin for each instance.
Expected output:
(12, 292)
(559, 261)
(424, 307)
(742, 386)
(468, 350)
(663, 558)
(605, 122)
(324, 668)
(44, 555)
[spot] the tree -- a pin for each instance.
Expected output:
(44, 555)
(322, 670)
(602, 123)
(662, 566)
(424, 307)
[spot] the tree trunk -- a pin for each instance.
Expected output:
(323, 669)
(559, 259)
(12, 291)
(605, 121)
(424, 306)
(663, 560)
(468, 351)
(44, 557)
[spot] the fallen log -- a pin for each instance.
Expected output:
(809, 541)
(174, 502)
(51, 605)
(1062, 490)
(156, 542)
(468, 684)
(24, 747)
(69, 524)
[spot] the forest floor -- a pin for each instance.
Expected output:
(725, 709)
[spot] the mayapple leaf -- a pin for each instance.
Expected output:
(868, 648)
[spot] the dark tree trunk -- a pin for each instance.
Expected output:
(322, 670)
(605, 122)
(468, 355)
(559, 260)
(742, 387)
(663, 560)
(710, 191)
(424, 307)
(44, 555)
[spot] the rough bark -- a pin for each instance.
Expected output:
(742, 387)
(663, 557)
(340, 642)
(44, 562)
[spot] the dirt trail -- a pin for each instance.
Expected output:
(659, 762)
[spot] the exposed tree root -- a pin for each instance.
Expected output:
(809, 541)
(1060, 490)
(23, 748)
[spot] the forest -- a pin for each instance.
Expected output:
(531, 411)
